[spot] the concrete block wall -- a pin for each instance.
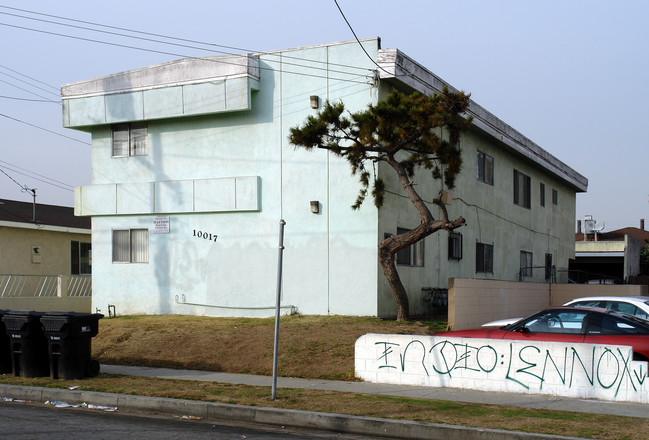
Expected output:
(473, 302)
(562, 293)
(532, 367)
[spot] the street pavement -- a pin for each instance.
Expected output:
(419, 392)
(346, 425)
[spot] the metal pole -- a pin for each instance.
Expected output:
(277, 309)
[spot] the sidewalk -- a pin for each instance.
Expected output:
(488, 397)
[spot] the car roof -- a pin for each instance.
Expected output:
(634, 299)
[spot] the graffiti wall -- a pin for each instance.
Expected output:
(560, 369)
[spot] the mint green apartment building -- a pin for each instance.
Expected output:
(192, 172)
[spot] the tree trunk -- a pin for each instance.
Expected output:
(386, 258)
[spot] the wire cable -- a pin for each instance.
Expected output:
(239, 49)
(44, 129)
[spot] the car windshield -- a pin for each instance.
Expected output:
(553, 321)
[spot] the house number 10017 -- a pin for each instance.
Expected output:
(205, 235)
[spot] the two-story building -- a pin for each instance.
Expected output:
(192, 171)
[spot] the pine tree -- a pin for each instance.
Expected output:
(411, 133)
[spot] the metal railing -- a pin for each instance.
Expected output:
(552, 275)
(34, 286)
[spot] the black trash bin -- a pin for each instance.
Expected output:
(69, 337)
(5, 347)
(29, 357)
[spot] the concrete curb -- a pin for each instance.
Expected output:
(271, 416)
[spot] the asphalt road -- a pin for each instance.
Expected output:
(23, 421)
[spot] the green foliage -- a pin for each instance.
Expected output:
(406, 131)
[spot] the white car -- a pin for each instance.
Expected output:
(633, 305)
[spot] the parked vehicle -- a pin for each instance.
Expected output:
(591, 325)
(633, 305)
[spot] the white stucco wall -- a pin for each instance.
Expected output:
(585, 371)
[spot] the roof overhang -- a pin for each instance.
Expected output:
(41, 227)
(185, 87)
(395, 65)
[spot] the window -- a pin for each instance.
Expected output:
(412, 255)
(129, 140)
(542, 194)
(522, 189)
(80, 258)
(555, 197)
(548, 267)
(454, 246)
(130, 246)
(485, 168)
(526, 264)
(484, 258)
(556, 321)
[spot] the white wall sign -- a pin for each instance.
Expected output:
(161, 225)
(561, 369)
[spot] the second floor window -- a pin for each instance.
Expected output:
(129, 140)
(485, 168)
(522, 196)
(542, 194)
(555, 197)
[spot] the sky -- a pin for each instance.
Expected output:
(572, 76)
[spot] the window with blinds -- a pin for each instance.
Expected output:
(130, 245)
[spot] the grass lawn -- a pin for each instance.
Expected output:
(310, 347)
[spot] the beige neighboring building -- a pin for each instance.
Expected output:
(45, 257)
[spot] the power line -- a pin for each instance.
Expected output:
(32, 85)
(40, 178)
(33, 79)
(30, 92)
(182, 55)
(25, 99)
(44, 129)
(239, 49)
(355, 36)
(327, 68)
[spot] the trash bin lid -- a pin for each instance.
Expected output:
(55, 321)
(16, 319)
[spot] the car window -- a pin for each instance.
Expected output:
(557, 321)
(591, 303)
(621, 307)
(609, 325)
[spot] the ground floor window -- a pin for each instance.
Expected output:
(130, 245)
(526, 264)
(80, 258)
(484, 258)
(454, 246)
(412, 255)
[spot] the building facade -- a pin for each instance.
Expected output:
(192, 172)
